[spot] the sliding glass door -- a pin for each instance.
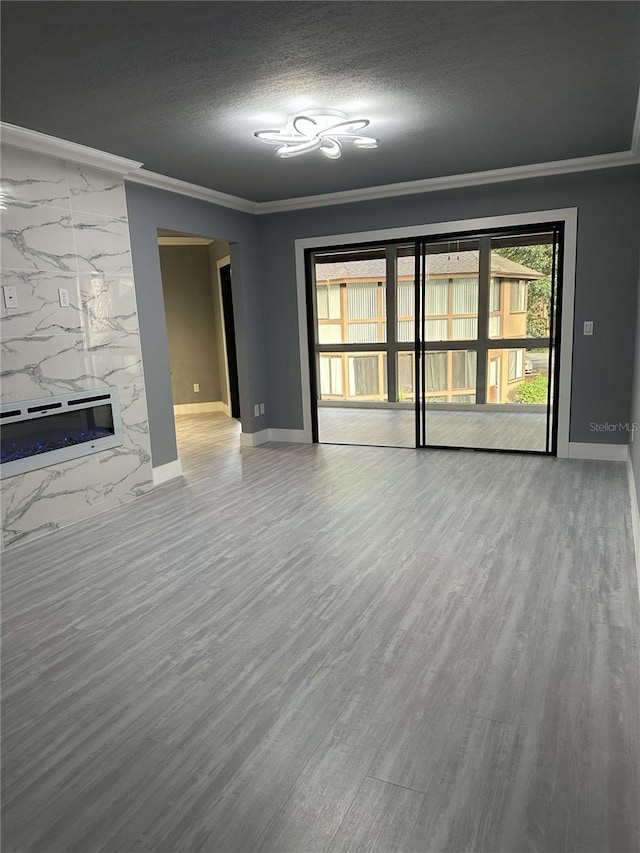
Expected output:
(486, 370)
(439, 342)
(355, 350)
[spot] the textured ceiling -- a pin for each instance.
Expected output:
(449, 87)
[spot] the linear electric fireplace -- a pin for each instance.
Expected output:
(37, 433)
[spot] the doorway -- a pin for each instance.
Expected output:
(435, 342)
(196, 283)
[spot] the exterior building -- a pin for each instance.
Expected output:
(351, 308)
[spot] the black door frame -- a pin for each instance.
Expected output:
(226, 293)
(554, 227)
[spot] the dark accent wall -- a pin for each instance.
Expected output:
(192, 332)
(608, 203)
(150, 209)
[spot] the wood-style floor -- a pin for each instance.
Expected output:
(485, 430)
(326, 648)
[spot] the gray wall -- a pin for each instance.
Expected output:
(192, 331)
(608, 205)
(635, 404)
(264, 283)
(150, 209)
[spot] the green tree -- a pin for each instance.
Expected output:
(540, 259)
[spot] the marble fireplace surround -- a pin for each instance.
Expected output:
(65, 226)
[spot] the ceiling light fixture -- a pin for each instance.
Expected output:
(314, 130)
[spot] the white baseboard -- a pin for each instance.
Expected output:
(635, 512)
(167, 472)
(201, 408)
(601, 452)
(297, 436)
(253, 439)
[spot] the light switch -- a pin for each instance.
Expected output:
(256, 410)
(588, 327)
(10, 296)
(63, 296)
(196, 387)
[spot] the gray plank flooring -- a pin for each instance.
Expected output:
(396, 428)
(329, 648)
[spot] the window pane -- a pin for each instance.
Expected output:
(465, 296)
(494, 295)
(405, 311)
(329, 333)
(406, 294)
(334, 302)
(436, 371)
(330, 376)
(406, 330)
(518, 376)
(322, 302)
(518, 296)
(363, 376)
(463, 369)
(405, 375)
(436, 330)
(516, 364)
(495, 324)
(328, 301)
(437, 297)
(465, 329)
(362, 300)
(525, 267)
(362, 333)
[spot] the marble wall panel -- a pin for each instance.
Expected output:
(39, 311)
(38, 238)
(102, 243)
(44, 365)
(108, 303)
(66, 226)
(40, 501)
(94, 191)
(31, 180)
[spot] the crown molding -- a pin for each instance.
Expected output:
(426, 185)
(173, 185)
(132, 170)
(40, 143)
(450, 182)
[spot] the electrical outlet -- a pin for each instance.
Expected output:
(256, 410)
(588, 327)
(63, 297)
(196, 387)
(262, 408)
(10, 296)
